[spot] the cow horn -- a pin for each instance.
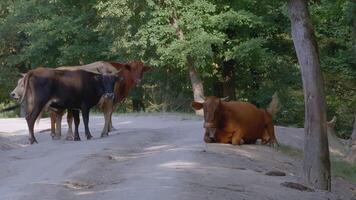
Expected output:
(225, 98)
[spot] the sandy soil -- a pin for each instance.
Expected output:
(160, 156)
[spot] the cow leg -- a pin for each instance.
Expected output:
(85, 113)
(75, 114)
(34, 112)
(53, 123)
(237, 138)
(70, 114)
(111, 127)
(58, 133)
(106, 126)
(108, 109)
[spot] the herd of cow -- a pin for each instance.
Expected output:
(105, 84)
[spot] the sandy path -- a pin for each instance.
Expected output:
(148, 157)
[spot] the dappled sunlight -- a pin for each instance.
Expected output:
(336, 151)
(179, 164)
(159, 147)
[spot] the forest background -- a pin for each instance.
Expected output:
(241, 49)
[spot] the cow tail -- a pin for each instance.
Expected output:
(274, 105)
(39, 117)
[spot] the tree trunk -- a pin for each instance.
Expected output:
(353, 135)
(197, 84)
(229, 80)
(316, 162)
(351, 157)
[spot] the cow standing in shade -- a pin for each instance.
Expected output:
(237, 122)
(132, 72)
(62, 89)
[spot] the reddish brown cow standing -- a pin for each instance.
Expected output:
(237, 122)
(132, 73)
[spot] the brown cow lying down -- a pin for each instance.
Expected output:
(237, 122)
(63, 89)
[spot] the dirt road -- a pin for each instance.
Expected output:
(159, 156)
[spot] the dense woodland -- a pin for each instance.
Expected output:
(241, 49)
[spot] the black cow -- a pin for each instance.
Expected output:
(64, 89)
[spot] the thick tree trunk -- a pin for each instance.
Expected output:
(197, 84)
(229, 80)
(316, 162)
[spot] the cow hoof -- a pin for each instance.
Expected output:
(33, 140)
(70, 138)
(275, 145)
(76, 138)
(89, 137)
(104, 135)
(112, 129)
(56, 137)
(209, 140)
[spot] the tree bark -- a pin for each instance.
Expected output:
(353, 135)
(316, 161)
(351, 157)
(197, 84)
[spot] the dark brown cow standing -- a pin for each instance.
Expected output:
(237, 122)
(61, 89)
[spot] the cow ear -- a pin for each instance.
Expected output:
(197, 105)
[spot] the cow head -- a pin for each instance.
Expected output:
(137, 68)
(19, 90)
(211, 108)
(108, 83)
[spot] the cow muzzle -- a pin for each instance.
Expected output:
(210, 135)
(14, 96)
(109, 95)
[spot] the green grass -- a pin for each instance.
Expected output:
(290, 151)
(339, 168)
(343, 169)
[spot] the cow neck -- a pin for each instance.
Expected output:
(125, 85)
(224, 110)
